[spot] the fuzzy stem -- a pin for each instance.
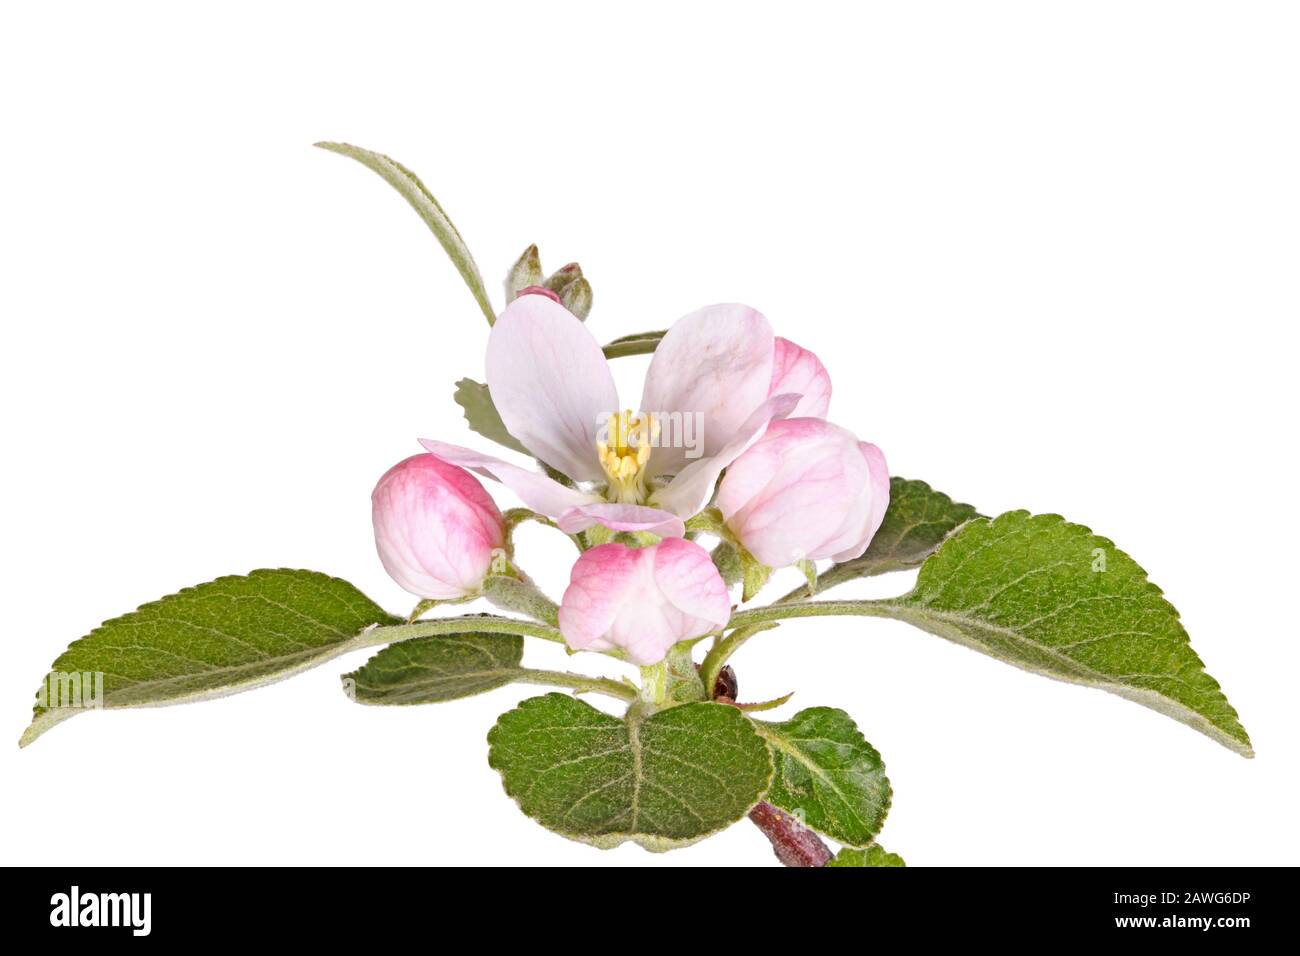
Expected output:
(781, 612)
(580, 683)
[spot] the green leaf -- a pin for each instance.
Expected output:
(664, 781)
(422, 201)
(229, 635)
(483, 416)
(430, 670)
(918, 520)
(1052, 597)
(433, 669)
(827, 775)
(642, 343)
(873, 855)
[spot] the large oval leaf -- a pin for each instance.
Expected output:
(1050, 596)
(665, 780)
(231, 634)
(827, 775)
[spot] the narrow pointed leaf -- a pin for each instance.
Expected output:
(642, 343)
(664, 781)
(827, 775)
(422, 201)
(229, 635)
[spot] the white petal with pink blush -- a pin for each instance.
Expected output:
(706, 400)
(642, 601)
(797, 370)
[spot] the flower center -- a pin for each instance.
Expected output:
(624, 454)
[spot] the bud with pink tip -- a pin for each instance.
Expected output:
(807, 490)
(643, 600)
(436, 528)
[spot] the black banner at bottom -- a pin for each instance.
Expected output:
(131, 907)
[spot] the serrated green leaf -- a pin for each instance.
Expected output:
(229, 635)
(918, 520)
(421, 200)
(664, 781)
(434, 669)
(874, 855)
(827, 775)
(1051, 597)
(641, 343)
(482, 414)
(430, 670)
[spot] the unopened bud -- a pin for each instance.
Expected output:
(524, 273)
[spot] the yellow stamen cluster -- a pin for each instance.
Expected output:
(624, 454)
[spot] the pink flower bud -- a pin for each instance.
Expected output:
(436, 528)
(798, 371)
(643, 600)
(807, 490)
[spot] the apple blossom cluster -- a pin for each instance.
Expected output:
(728, 441)
(724, 398)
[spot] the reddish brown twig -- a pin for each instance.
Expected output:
(792, 842)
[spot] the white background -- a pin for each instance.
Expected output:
(1048, 252)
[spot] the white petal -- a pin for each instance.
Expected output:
(618, 517)
(715, 364)
(551, 384)
(686, 494)
(538, 492)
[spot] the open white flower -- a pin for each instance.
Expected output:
(552, 386)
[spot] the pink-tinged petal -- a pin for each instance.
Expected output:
(797, 370)
(436, 528)
(642, 600)
(690, 581)
(622, 518)
(538, 492)
(551, 384)
(806, 490)
(715, 363)
(686, 494)
(879, 502)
